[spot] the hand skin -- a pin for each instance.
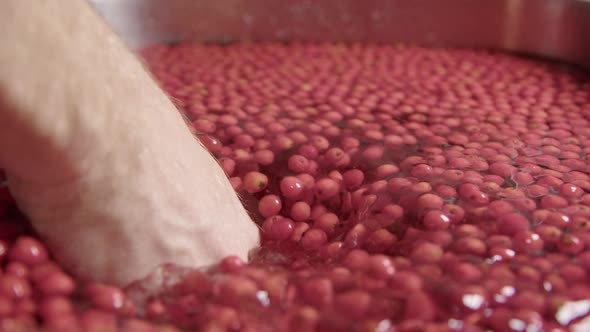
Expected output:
(98, 157)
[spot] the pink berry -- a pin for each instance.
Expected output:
(353, 178)
(429, 201)
(470, 246)
(522, 178)
(373, 152)
(278, 228)
(553, 202)
(381, 266)
(512, 223)
(254, 182)
(291, 187)
(313, 239)
(527, 242)
(353, 303)
(422, 171)
(308, 151)
(232, 264)
(17, 269)
(57, 284)
(307, 180)
(570, 190)
(445, 191)
(269, 205)
(29, 251)
(427, 253)
(502, 169)
(570, 244)
(236, 183)
(228, 165)
(300, 211)
(264, 157)
(55, 306)
(436, 220)
(393, 212)
(326, 188)
(318, 292)
(455, 213)
(106, 297)
(386, 170)
(211, 143)
(14, 287)
(326, 222)
(419, 306)
(334, 155)
(298, 163)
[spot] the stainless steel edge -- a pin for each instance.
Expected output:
(558, 29)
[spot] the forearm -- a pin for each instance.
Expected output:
(70, 92)
(91, 145)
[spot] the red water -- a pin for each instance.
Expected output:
(397, 188)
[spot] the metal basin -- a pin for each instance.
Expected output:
(556, 29)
